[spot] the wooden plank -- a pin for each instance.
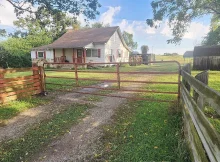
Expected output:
(21, 91)
(196, 149)
(6, 71)
(19, 78)
(207, 133)
(27, 94)
(211, 96)
(15, 88)
(18, 83)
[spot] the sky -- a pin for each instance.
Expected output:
(131, 16)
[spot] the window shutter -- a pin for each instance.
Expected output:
(99, 53)
(36, 54)
(44, 54)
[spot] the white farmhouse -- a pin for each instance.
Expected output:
(85, 46)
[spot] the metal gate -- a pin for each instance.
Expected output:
(75, 74)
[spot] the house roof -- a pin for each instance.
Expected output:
(207, 51)
(81, 38)
(188, 54)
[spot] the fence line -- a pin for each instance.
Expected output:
(204, 140)
(18, 87)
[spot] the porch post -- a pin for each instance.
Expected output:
(75, 55)
(54, 55)
(84, 55)
(63, 55)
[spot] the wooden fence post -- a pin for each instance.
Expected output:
(118, 76)
(204, 78)
(42, 79)
(76, 74)
(187, 68)
(2, 96)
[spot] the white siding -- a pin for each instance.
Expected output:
(116, 44)
(49, 55)
(102, 54)
(33, 55)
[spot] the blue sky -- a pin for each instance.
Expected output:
(131, 16)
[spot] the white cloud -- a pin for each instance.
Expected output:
(108, 16)
(7, 15)
(136, 27)
(196, 30)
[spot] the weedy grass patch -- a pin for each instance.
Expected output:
(38, 137)
(13, 108)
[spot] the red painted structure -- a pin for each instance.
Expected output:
(119, 80)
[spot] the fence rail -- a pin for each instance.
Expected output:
(118, 74)
(18, 87)
(203, 138)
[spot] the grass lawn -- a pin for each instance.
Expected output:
(41, 135)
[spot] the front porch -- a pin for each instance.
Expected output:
(69, 55)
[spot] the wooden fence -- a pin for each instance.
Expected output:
(12, 88)
(204, 140)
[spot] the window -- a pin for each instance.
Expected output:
(88, 53)
(40, 55)
(120, 52)
(94, 53)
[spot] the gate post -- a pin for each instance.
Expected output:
(2, 95)
(76, 74)
(118, 76)
(42, 79)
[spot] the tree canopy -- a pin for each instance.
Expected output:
(88, 8)
(144, 49)
(180, 14)
(129, 40)
(213, 37)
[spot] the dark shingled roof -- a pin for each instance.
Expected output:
(81, 38)
(206, 51)
(188, 54)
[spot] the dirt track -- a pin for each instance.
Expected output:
(82, 139)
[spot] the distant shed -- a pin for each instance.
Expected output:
(206, 58)
(188, 54)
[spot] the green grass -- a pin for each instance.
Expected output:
(178, 58)
(214, 79)
(41, 135)
(146, 131)
(13, 108)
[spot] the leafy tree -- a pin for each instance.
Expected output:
(3, 32)
(22, 46)
(54, 24)
(180, 14)
(129, 40)
(88, 8)
(213, 37)
(99, 25)
(144, 49)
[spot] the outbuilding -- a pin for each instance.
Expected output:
(206, 58)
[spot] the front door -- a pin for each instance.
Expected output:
(79, 55)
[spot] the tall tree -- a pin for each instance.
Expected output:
(54, 24)
(99, 25)
(213, 37)
(129, 40)
(180, 14)
(88, 8)
(144, 49)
